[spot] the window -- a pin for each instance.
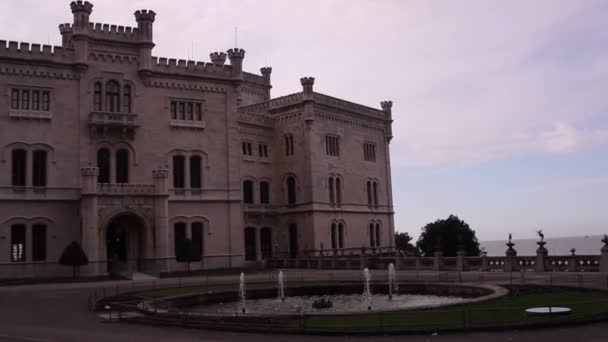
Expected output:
(18, 243)
(25, 99)
(186, 110)
(264, 192)
(372, 236)
(246, 147)
(112, 96)
(36, 100)
(332, 198)
(334, 237)
(294, 241)
(122, 166)
(338, 191)
(195, 172)
(19, 166)
(377, 234)
(97, 97)
(289, 145)
(103, 164)
(46, 101)
(173, 110)
(369, 193)
(190, 111)
(197, 238)
(291, 190)
(178, 172)
(198, 111)
(126, 99)
(248, 191)
(266, 242)
(39, 242)
(250, 245)
(179, 236)
(263, 150)
(332, 145)
(39, 168)
(376, 194)
(15, 99)
(340, 235)
(369, 151)
(182, 111)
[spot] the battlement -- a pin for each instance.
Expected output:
(236, 53)
(218, 57)
(113, 32)
(253, 78)
(65, 28)
(81, 6)
(145, 15)
(192, 68)
(27, 51)
(386, 106)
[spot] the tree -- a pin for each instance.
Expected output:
(403, 242)
(186, 252)
(74, 256)
(449, 235)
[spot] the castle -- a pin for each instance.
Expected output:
(133, 155)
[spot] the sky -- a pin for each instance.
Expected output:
(500, 107)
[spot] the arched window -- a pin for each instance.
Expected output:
(250, 245)
(340, 235)
(248, 191)
(122, 166)
(338, 191)
(197, 238)
(19, 167)
(291, 190)
(178, 172)
(39, 168)
(112, 96)
(126, 99)
(179, 236)
(334, 236)
(266, 242)
(39, 242)
(195, 172)
(103, 164)
(372, 235)
(18, 243)
(369, 193)
(97, 97)
(264, 192)
(375, 194)
(378, 244)
(294, 245)
(288, 144)
(331, 190)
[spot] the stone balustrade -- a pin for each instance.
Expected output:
(125, 189)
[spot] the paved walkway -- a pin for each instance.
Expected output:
(59, 313)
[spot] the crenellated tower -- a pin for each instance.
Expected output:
(218, 58)
(145, 24)
(236, 57)
(80, 28)
(387, 107)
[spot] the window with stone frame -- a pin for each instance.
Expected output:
(186, 110)
(18, 167)
(30, 99)
(289, 144)
(38, 242)
(179, 172)
(369, 151)
(17, 250)
(264, 192)
(247, 149)
(248, 191)
(332, 145)
(103, 165)
(196, 172)
(263, 150)
(122, 166)
(39, 168)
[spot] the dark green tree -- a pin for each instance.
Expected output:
(74, 256)
(187, 253)
(403, 242)
(448, 235)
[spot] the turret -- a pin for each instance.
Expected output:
(236, 57)
(307, 83)
(66, 35)
(218, 58)
(80, 28)
(145, 23)
(82, 11)
(387, 107)
(266, 71)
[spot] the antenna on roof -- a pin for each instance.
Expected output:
(235, 35)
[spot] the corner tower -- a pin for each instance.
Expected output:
(145, 24)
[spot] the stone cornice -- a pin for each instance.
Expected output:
(26, 71)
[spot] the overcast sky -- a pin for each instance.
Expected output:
(500, 107)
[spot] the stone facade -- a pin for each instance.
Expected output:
(128, 153)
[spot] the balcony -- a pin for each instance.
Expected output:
(103, 124)
(125, 189)
(261, 209)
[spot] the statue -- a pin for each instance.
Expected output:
(540, 233)
(510, 236)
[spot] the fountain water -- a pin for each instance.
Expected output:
(242, 291)
(391, 279)
(367, 293)
(281, 287)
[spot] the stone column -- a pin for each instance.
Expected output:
(572, 261)
(438, 261)
(541, 254)
(484, 261)
(510, 262)
(604, 256)
(161, 218)
(91, 236)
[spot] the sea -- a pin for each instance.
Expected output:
(584, 245)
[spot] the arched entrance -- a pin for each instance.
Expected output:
(125, 243)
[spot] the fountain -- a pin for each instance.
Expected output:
(281, 287)
(367, 293)
(242, 291)
(391, 280)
